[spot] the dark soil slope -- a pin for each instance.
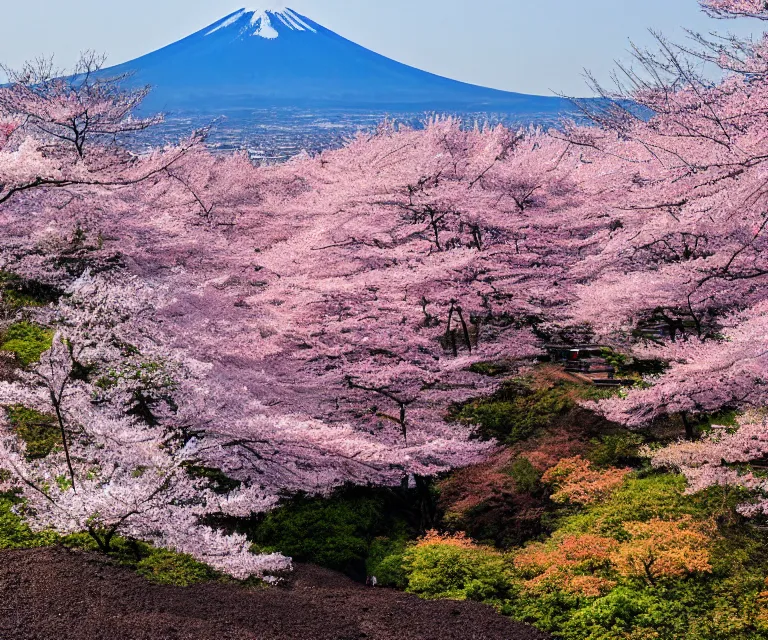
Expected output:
(55, 594)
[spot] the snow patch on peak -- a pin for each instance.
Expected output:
(282, 14)
(263, 21)
(264, 28)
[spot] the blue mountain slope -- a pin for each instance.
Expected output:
(265, 58)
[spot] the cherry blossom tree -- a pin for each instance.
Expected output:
(123, 465)
(727, 458)
(736, 8)
(63, 130)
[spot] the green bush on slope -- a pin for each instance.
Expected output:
(40, 433)
(516, 411)
(458, 572)
(26, 341)
(340, 532)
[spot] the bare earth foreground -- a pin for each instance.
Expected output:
(56, 594)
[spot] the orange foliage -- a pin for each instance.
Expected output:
(663, 549)
(575, 481)
(763, 595)
(762, 605)
(587, 565)
(571, 564)
(459, 539)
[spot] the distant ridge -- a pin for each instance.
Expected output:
(276, 57)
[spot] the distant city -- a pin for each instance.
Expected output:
(276, 134)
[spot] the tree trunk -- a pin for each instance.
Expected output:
(690, 428)
(64, 442)
(427, 502)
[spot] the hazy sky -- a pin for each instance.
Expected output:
(531, 46)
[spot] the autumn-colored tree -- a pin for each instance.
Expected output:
(660, 549)
(574, 480)
(589, 565)
(576, 563)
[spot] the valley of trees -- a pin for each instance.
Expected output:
(241, 364)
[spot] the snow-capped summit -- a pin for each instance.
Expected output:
(272, 56)
(265, 23)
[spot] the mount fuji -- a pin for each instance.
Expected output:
(278, 58)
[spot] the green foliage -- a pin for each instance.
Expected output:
(490, 368)
(527, 477)
(548, 611)
(39, 431)
(329, 534)
(638, 499)
(613, 358)
(27, 341)
(18, 293)
(634, 367)
(626, 611)
(593, 392)
(723, 418)
(168, 567)
(337, 532)
(615, 450)
(458, 573)
(14, 532)
(689, 609)
(385, 561)
(516, 411)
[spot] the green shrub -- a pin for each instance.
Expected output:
(27, 341)
(613, 358)
(490, 368)
(628, 613)
(638, 499)
(39, 431)
(527, 477)
(385, 561)
(444, 570)
(615, 450)
(331, 534)
(689, 609)
(168, 567)
(723, 418)
(336, 532)
(515, 412)
(548, 611)
(14, 532)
